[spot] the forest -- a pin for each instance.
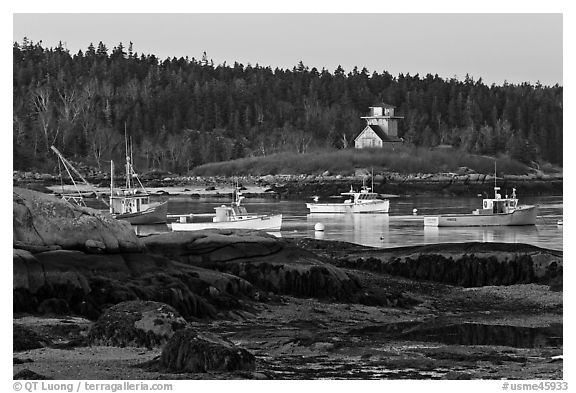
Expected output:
(180, 113)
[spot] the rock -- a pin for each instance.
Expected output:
(24, 339)
(94, 247)
(455, 375)
(263, 260)
(44, 220)
(29, 375)
(21, 361)
(194, 352)
(54, 306)
(268, 179)
(137, 324)
(90, 283)
(556, 284)
(203, 248)
(465, 264)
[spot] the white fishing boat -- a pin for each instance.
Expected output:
(132, 203)
(234, 216)
(495, 211)
(363, 201)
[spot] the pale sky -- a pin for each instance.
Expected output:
(496, 47)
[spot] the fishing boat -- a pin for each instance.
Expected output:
(233, 216)
(495, 211)
(132, 203)
(77, 197)
(363, 201)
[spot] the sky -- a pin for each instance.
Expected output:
(495, 47)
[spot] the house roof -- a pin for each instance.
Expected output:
(381, 134)
(382, 105)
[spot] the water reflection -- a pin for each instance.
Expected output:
(480, 234)
(353, 228)
(467, 334)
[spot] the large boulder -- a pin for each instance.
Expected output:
(41, 220)
(269, 263)
(136, 324)
(192, 351)
(86, 284)
(24, 339)
(206, 247)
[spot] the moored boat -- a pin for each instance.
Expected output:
(362, 201)
(495, 211)
(133, 204)
(234, 216)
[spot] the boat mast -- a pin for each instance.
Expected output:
(111, 185)
(496, 188)
(127, 158)
(68, 166)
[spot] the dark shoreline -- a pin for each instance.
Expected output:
(302, 187)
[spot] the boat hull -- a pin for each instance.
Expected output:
(153, 215)
(365, 207)
(524, 215)
(265, 223)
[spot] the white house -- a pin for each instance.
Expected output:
(381, 127)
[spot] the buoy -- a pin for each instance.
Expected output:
(414, 211)
(319, 227)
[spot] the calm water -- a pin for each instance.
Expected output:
(397, 228)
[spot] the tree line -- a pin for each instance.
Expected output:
(180, 112)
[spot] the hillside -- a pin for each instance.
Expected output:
(182, 113)
(400, 159)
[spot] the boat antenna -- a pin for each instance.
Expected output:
(372, 189)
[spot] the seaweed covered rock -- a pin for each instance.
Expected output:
(136, 324)
(86, 284)
(192, 351)
(41, 220)
(464, 264)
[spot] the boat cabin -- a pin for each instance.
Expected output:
(498, 205)
(363, 195)
(123, 202)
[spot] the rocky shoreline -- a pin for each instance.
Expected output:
(93, 301)
(303, 186)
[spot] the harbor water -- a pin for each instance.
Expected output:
(400, 227)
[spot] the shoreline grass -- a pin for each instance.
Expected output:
(401, 159)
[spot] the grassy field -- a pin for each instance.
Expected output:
(401, 159)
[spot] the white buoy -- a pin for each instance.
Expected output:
(319, 227)
(414, 211)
